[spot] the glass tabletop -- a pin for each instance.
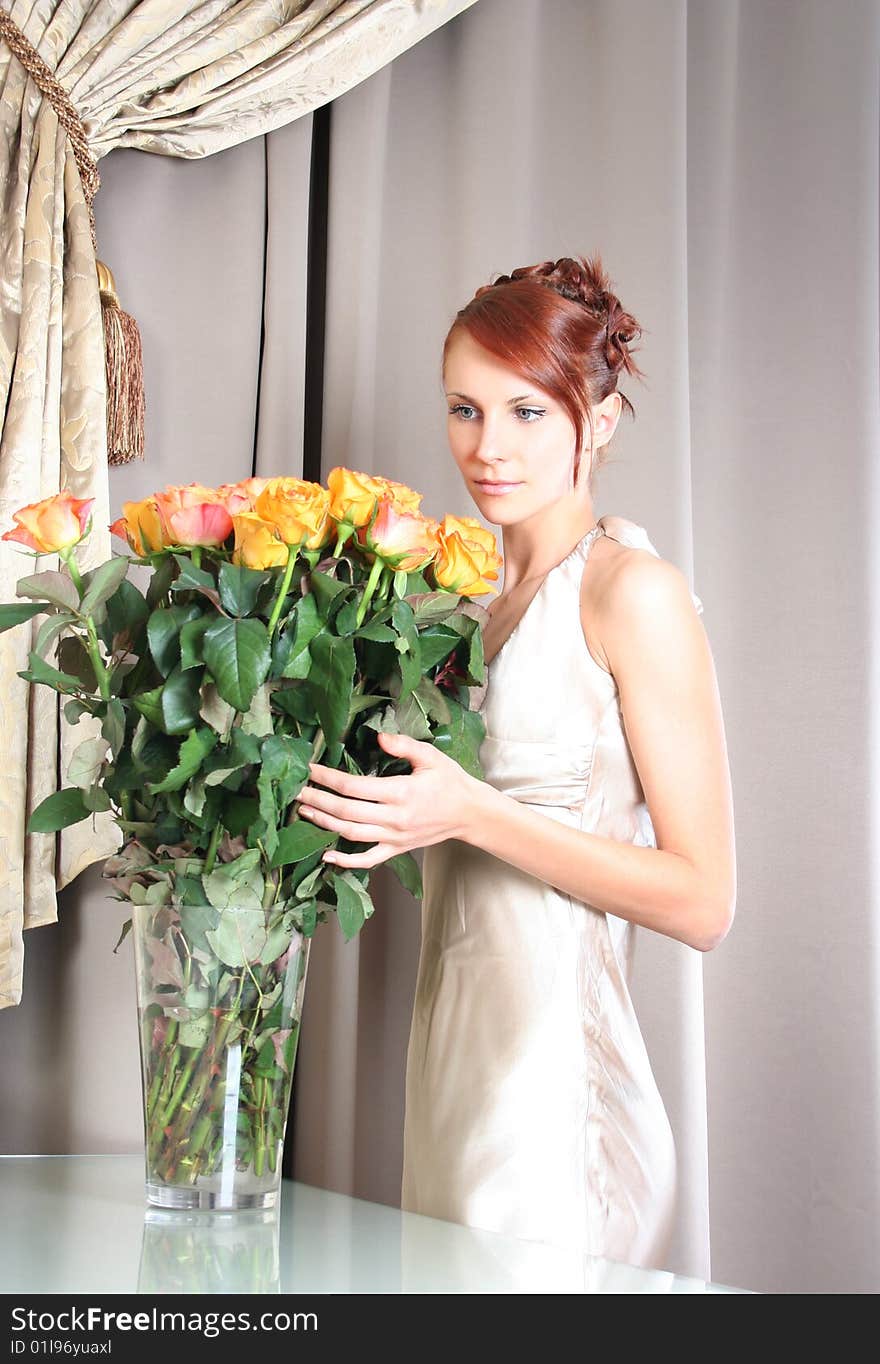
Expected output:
(80, 1224)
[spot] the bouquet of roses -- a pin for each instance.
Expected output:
(278, 622)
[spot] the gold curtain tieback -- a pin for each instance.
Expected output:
(123, 352)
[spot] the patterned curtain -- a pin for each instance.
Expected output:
(176, 77)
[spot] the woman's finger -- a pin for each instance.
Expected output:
(371, 858)
(358, 833)
(351, 784)
(360, 811)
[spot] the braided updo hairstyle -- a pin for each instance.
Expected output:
(560, 325)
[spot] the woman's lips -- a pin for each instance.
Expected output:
(497, 489)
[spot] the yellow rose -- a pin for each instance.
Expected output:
(141, 525)
(463, 566)
(256, 542)
(57, 522)
(402, 539)
(470, 529)
(298, 509)
(353, 495)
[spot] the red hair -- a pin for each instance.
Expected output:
(559, 325)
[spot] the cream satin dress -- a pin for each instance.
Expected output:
(531, 1106)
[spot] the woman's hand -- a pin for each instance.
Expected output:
(396, 813)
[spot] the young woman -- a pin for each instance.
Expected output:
(531, 1107)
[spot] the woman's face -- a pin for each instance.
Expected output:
(505, 431)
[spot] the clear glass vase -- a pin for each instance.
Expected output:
(210, 1252)
(219, 998)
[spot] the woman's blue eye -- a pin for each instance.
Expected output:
(532, 413)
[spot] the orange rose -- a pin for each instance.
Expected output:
(298, 509)
(402, 539)
(193, 515)
(241, 496)
(256, 542)
(401, 493)
(463, 565)
(57, 522)
(141, 525)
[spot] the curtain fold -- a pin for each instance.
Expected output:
(178, 79)
(723, 158)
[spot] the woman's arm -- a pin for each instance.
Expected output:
(660, 658)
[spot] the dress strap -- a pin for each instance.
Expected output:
(630, 533)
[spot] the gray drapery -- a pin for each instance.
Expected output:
(176, 77)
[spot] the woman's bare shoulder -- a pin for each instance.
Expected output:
(621, 580)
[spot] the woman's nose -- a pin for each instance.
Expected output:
(488, 446)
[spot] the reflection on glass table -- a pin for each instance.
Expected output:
(80, 1224)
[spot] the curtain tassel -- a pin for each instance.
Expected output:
(125, 375)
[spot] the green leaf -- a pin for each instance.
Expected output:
(277, 942)
(86, 762)
(193, 751)
(12, 614)
(126, 929)
(113, 726)
(102, 582)
(51, 628)
(299, 840)
(195, 579)
(149, 704)
(73, 710)
(375, 630)
(192, 635)
(95, 798)
(330, 681)
(240, 935)
(161, 581)
(240, 587)
(257, 719)
(411, 718)
(353, 903)
(163, 633)
(127, 611)
(217, 712)
(408, 873)
(345, 620)
(291, 651)
(433, 701)
(75, 661)
(429, 607)
(194, 797)
(325, 588)
(40, 671)
(462, 737)
(309, 917)
(196, 1030)
(52, 586)
(58, 811)
(180, 701)
(238, 655)
(239, 813)
(436, 646)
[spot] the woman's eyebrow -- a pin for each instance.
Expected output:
(524, 397)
